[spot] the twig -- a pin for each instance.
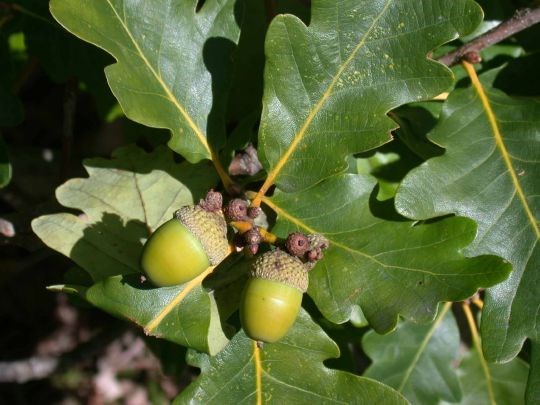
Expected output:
(522, 19)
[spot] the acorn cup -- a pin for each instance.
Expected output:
(185, 246)
(273, 295)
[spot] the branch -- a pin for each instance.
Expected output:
(523, 18)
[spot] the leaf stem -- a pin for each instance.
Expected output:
(244, 226)
(258, 371)
(478, 347)
(315, 109)
(522, 19)
(478, 302)
(188, 287)
(225, 178)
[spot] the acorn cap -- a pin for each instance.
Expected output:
(209, 228)
(280, 266)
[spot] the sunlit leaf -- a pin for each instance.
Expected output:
(490, 175)
(172, 62)
(386, 266)
(417, 360)
(507, 381)
(122, 201)
(329, 86)
(533, 383)
(290, 371)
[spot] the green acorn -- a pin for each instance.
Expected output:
(185, 246)
(273, 295)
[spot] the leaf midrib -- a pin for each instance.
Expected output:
(499, 142)
(307, 228)
(178, 298)
(272, 175)
(423, 346)
(170, 96)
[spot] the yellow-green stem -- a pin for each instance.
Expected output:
(478, 347)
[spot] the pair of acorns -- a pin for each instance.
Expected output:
(196, 238)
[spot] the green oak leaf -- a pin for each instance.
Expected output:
(533, 383)
(329, 86)
(415, 121)
(416, 360)
(490, 176)
(186, 314)
(506, 381)
(172, 65)
(386, 266)
(290, 371)
(122, 201)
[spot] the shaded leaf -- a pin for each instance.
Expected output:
(491, 177)
(329, 86)
(519, 78)
(506, 380)
(415, 121)
(387, 266)
(170, 355)
(416, 360)
(290, 371)
(172, 62)
(185, 314)
(123, 200)
(533, 383)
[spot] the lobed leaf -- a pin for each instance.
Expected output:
(417, 360)
(386, 266)
(288, 371)
(507, 381)
(329, 86)
(123, 200)
(489, 173)
(185, 314)
(172, 62)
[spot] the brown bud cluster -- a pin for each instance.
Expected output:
(213, 202)
(254, 212)
(252, 239)
(297, 244)
(236, 210)
(309, 248)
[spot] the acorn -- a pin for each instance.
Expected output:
(273, 295)
(185, 246)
